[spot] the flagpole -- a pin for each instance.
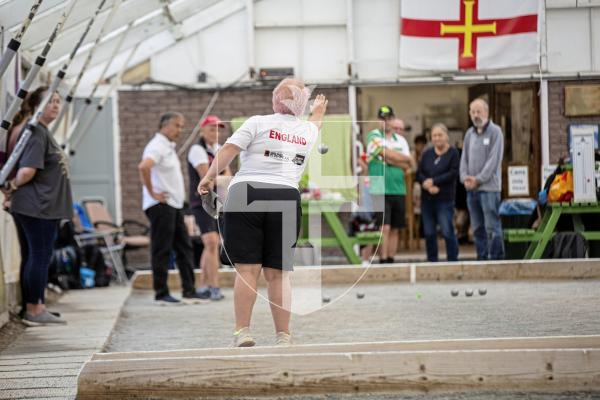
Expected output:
(77, 119)
(15, 43)
(31, 76)
(63, 71)
(193, 136)
(78, 138)
(71, 94)
(20, 146)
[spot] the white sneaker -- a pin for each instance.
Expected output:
(283, 339)
(242, 338)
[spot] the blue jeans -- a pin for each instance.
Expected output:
(485, 220)
(39, 236)
(440, 213)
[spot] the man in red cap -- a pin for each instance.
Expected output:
(200, 156)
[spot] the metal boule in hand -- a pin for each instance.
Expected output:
(212, 204)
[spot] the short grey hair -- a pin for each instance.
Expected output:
(167, 117)
(441, 126)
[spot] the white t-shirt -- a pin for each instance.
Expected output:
(275, 149)
(398, 143)
(377, 143)
(166, 173)
(198, 155)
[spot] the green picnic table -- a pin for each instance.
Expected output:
(330, 209)
(539, 238)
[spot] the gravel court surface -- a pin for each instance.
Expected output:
(388, 312)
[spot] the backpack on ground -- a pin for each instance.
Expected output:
(567, 245)
(94, 259)
(64, 268)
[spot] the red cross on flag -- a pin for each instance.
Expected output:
(451, 35)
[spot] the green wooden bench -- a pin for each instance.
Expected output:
(539, 238)
(329, 209)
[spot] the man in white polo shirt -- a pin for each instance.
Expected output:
(163, 197)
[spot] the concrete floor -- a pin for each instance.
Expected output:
(43, 362)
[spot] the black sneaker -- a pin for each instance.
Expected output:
(195, 298)
(204, 293)
(167, 300)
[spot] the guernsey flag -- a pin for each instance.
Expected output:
(452, 35)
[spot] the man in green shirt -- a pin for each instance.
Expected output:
(389, 159)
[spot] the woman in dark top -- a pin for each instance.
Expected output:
(18, 123)
(40, 196)
(200, 157)
(437, 173)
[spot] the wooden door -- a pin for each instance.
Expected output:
(515, 108)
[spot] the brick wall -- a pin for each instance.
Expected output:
(558, 122)
(139, 112)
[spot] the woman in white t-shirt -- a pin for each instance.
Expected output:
(262, 212)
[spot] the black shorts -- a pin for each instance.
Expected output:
(254, 224)
(206, 223)
(395, 211)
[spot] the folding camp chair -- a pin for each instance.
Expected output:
(134, 234)
(107, 241)
(120, 238)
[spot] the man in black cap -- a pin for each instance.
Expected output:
(389, 157)
(385, 113)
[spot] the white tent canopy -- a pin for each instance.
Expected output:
(155, 25)
(333, 41)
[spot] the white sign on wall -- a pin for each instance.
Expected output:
(518, 180)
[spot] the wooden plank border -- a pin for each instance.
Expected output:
(343, 372)
(549, 342)
(425, 272)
